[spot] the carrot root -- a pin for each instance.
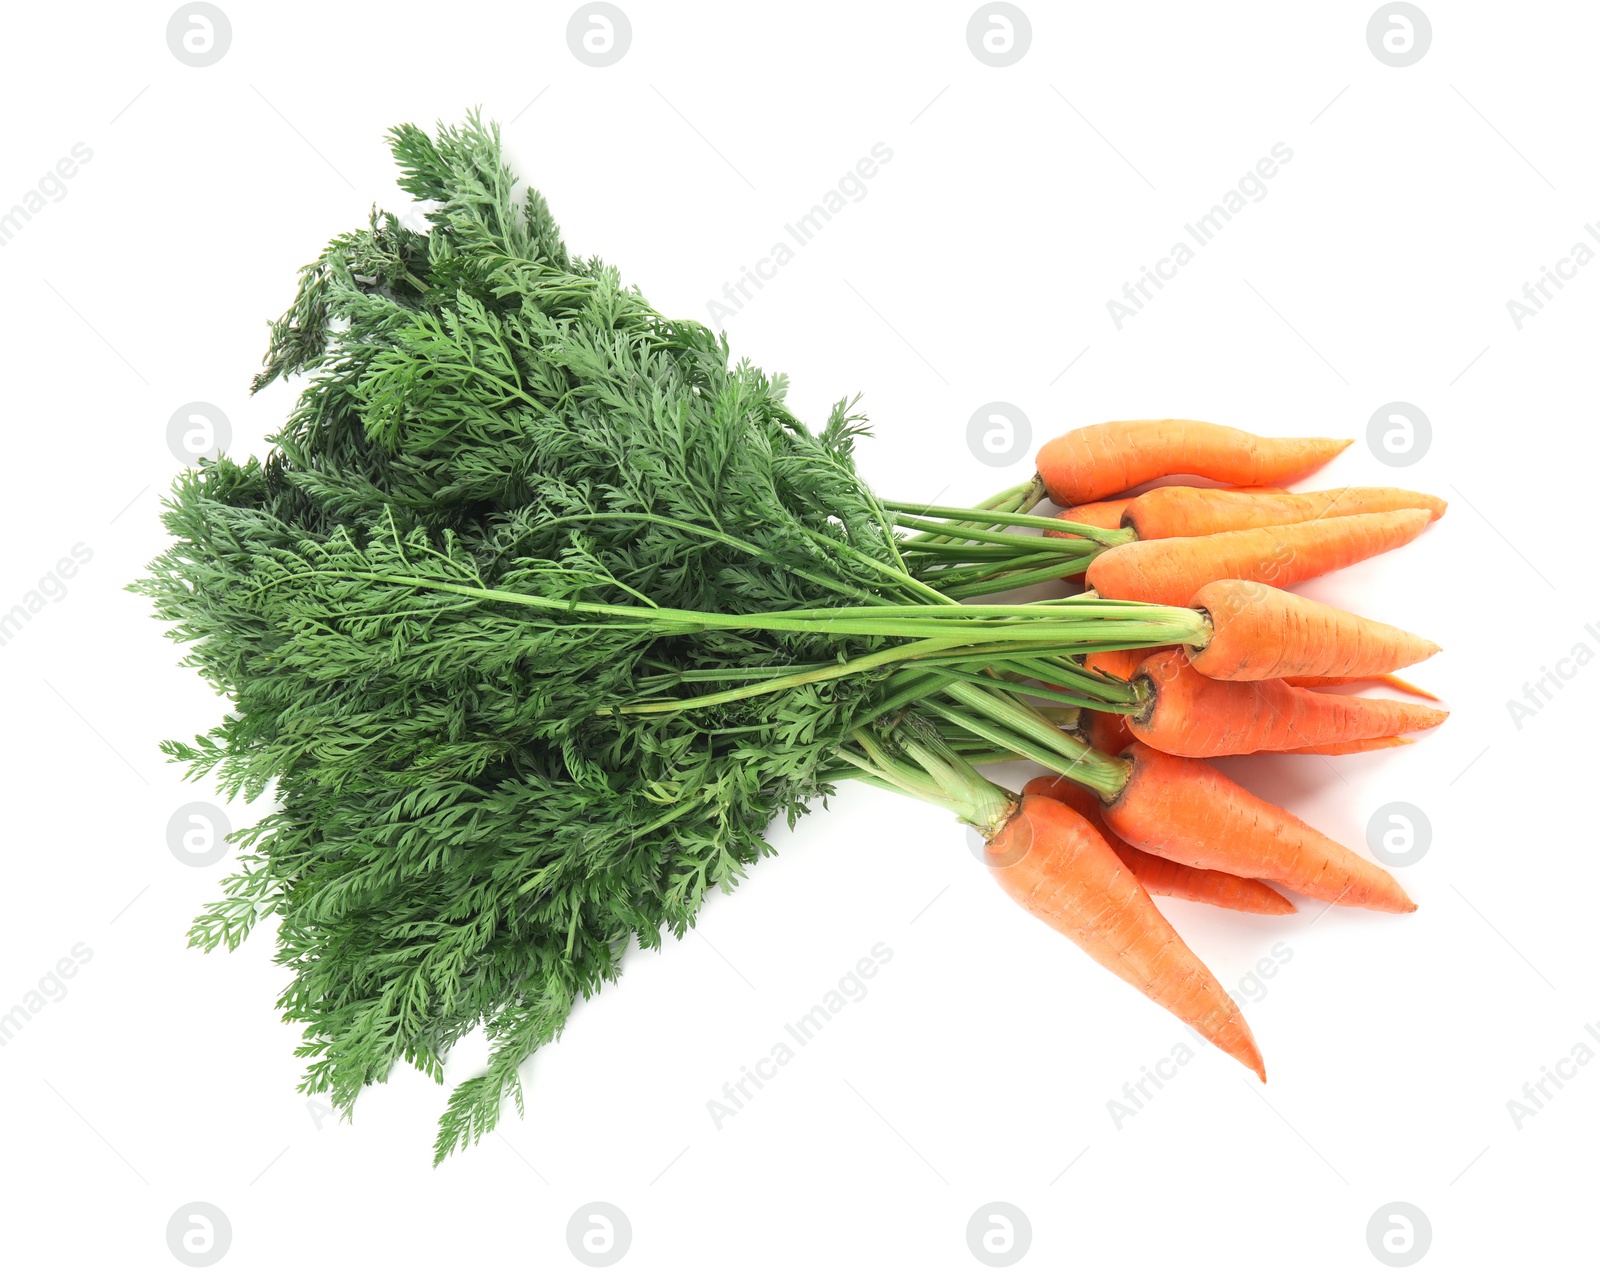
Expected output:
(1351, 747)
(1344, 681)
(1179, 512)
(1104, 515)
(1171, 570)
(1189, 714)
(1088, 464)
(1052, 862)
(1160, 876)
(1186, 810)
(1260, 632)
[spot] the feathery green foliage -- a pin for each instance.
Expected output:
(478, 544)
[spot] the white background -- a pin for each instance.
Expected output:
(977, 268)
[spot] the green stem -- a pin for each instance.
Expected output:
(1016, 549)
(975, 799)
(1003, 621)
(967, 515)
(901, 577)
(727, 540)
(1101, 773)
(1008, 499)
(985, 535)
(983, 567)
(1000, 583)
(1042, 693)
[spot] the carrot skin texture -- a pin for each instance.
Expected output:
(1171, 570)
(1109, 513)
(1108, 732)
(1344, 681)
(1195, 716)
(1120, 663)
(1186, 810)
(1104, 515)
(1178, 512)
(1165, 877)
(1089, 464)
(1052, 862)
(1260, 632)
(1351, 747)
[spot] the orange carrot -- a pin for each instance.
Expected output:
(1351, 747)
(1186, 810)
(1189, 714)
(1106, 515)
(1165, 877)
(1120, 663)
(1050, 860)
(1108, 732)
(1259, 632)
(1087, 464)
(1344, 681)
(1171, 570)
(1179, 512)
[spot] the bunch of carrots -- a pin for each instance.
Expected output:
(1133, 808)
(541, 609)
